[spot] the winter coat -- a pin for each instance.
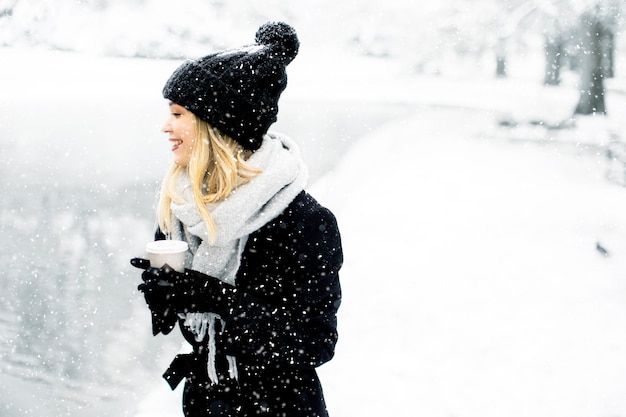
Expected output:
(283, 324)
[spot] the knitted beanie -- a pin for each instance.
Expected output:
(237, 90)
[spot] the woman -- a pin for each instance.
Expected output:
(259, 297)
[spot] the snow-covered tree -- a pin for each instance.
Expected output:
(598, 23)
(581, 31)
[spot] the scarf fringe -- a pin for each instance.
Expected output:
(202, 325)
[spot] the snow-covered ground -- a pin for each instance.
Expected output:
(473, 286)
(472, 283)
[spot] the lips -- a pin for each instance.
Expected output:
(176, 143)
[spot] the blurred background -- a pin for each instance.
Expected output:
(81, 110)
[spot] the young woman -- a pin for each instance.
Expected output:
(258, 299)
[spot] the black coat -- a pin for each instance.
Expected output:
(284, 322)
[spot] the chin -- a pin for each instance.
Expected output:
(180, 160)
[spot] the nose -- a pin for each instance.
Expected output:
(166, 128)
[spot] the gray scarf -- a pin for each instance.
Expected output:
(248, 208)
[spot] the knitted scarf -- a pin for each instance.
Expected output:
(248, 208)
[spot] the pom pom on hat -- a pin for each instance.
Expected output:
(280, 36)
(237, 90)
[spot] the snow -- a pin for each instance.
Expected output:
(472, 283)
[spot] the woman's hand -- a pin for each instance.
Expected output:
(168, 291)
(158, 291)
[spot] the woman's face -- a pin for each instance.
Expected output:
(181, 127)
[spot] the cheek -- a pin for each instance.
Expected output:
(181, 129)
(188, 146)
(186, 132)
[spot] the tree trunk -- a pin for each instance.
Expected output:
(6, 12)
(500, 66)
(592, 91)
(501, 58)
(554, 53)
(608, 46)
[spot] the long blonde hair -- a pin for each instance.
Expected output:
(217, 166)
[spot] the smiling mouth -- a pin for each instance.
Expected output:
(177, 143)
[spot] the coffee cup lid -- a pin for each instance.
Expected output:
(167, 246)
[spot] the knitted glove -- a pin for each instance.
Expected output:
(167, 290)
(196, 291)
(158, 292)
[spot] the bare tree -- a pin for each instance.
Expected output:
(598, 24)
(585, 26)
(592, 91)
(6, 8)
(554, 46)
(519, 13)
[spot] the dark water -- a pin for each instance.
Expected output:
(79, 179)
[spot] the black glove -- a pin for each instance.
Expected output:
(196, 291)
(157, 289)
(166, 290)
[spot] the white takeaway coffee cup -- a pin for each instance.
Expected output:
(167, 252)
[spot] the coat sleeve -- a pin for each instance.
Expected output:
(296, 325)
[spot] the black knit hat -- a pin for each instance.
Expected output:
(237, 90)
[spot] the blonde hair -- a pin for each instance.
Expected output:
(217, 166)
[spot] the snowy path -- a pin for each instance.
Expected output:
(472, 284)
